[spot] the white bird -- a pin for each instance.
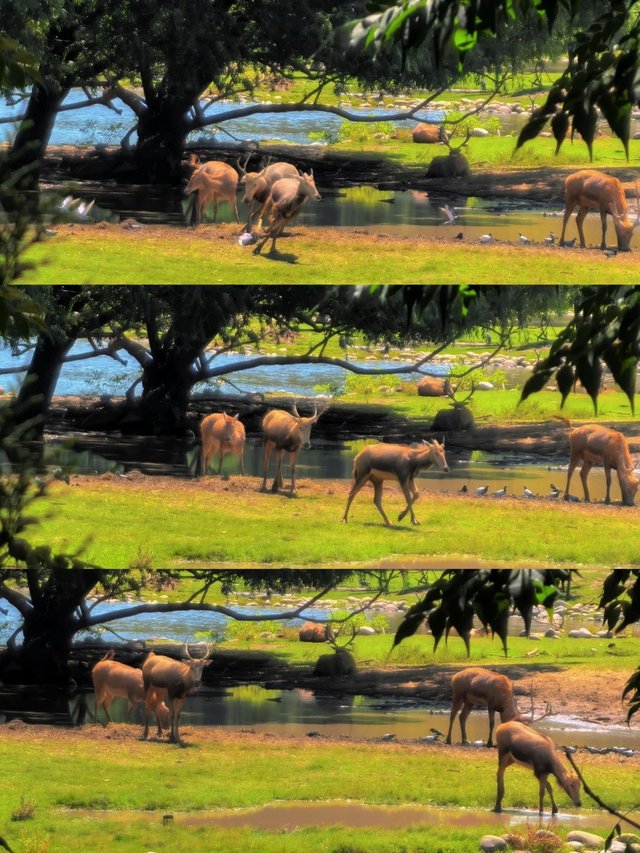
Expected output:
(500, 493)
(482, 490)
(569, 244)
(449, 213)
(555, 491)
(610, 253)
(486, 238)
(528, 493)
(524, 240)
(551, 239)
(246, 239)
(67, 202)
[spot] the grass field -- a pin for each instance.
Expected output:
(91, 789)
(211, 255)
(168, 522)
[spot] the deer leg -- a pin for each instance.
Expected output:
(178, 703)
(409, 498)
(503, 762)
(457, 704)
(573, 461)
(607, 476)
(492, 722)
(416, 494)
(464, 716)
(357, 485)
(215, 207)
(603, 220)
(584, 473)
(235, 209)
(147, 698)
(579, 220)
(545, 785)
(242, 462)
(268, 450)
(294, 459)
(277, 480)
(378, 486)
(567, 213)
(221, 456)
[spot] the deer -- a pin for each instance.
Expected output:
(178, 678)
(257, 187)
(286, 433)
(518, 744)
(433, 386)
(311, 632)
(222, 434)
(492, 690)
(214, 181)
(287, 197)
(112, 679)
(591, 189)
(592, 443)
(380, 462)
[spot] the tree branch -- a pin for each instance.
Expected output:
(595, 797)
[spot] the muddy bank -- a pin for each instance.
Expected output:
(333, 169)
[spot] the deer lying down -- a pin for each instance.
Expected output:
(518, 744)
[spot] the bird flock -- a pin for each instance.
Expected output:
(483, 491)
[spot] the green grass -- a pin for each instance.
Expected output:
(188, 524)
(111, 792)
(166, 255)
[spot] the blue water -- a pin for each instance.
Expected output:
(171, 626)
(103, 375)
(99, 125)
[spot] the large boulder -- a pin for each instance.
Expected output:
(453, 165)
(432, 386)
(459, 417)
(429, 133)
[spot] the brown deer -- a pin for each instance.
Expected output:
(518, 744)
(112, 679)
(380, 462)
(312, 632)
(433, 386)
(257, 188)
(214, 181)
(222, 434)
(287, 197)
(591, 444)
(178, 679)
(591, 189)
(492, 690)
(286, 433)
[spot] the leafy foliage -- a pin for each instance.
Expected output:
(604, 331)
(600, 74)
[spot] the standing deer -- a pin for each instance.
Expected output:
(381, 462)
(492, 690)
(285, 433)
(178, 679)
(222, 434)
(257, 188)
(112, 679)
(593, 443)
(214, 181)
(288, 196)
(518, 744)
(590, 189)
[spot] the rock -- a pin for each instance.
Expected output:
(366, 630)
(575, 845)
(551, 634)
(587, 838)
(489, 843)
(581, 634)
(485, 386)
(479, 131)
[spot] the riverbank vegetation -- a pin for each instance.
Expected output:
(93, 785)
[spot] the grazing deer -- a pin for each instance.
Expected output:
(178, 679)
(112, 679)
(222, 434)
(257, 188)
(381, 462)
(593, 443)
(287, 197)
(518, 744)
(214, 181)
(590, 189)
(286, 433)
(492, 690)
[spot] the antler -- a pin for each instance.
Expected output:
(243, 168)
(547, 712)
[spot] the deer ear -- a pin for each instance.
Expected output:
(237, 416)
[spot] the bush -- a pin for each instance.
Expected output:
(26, 810)
(365, 132)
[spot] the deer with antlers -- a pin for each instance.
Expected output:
(213, 181)
(286, 433)
(518, 744)
(380, 462)
(591, 189)
(492, 690)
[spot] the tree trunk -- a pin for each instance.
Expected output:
(162, 130)
(166, 386)
(36, 391)
(32, 138)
